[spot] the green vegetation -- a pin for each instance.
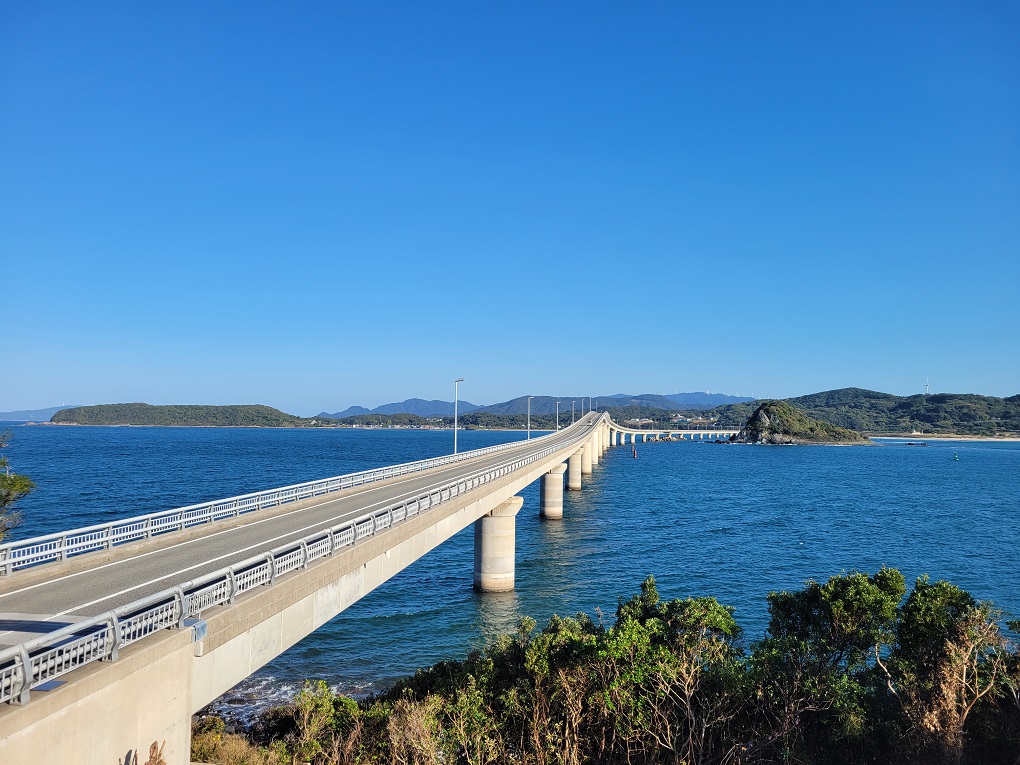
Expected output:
(872, 412)
(846, 674)
(776, 422)
(12, 488)
(254, 415)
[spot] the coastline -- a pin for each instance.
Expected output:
(951, 438)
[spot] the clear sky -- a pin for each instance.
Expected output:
(316, 205)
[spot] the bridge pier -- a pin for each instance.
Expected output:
(597, 445)
(495, 545)
(551, 503)
(586, 452)
(574, 470)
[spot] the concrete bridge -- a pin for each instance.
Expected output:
(116, 634)
(618, 434)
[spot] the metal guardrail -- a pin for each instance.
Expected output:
(65, 544)
(47, 657)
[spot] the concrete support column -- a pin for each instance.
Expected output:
(644, 438)
(495, 540)
(551, 505)
(586, 451)
(596, 446)
(574, 471)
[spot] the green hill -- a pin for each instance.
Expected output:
(869, 411)
(245, 415)
(777, 422)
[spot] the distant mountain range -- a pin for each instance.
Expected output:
(418, 406)
(33, 415)
(545, 404)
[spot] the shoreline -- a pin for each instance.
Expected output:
(23, 423)
(982, 439)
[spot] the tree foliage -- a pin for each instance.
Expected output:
(12, 488)
(847, 673)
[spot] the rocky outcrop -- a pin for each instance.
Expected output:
(777, 422)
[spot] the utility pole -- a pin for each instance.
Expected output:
(455, 396)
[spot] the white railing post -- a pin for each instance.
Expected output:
(180, 605)
(114, 627)
(21, 690)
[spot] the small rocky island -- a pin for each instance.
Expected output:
(777, 422)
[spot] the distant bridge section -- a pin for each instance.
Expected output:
(618, 434)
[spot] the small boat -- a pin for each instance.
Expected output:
(956, 456)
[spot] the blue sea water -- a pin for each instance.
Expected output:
(706, 519)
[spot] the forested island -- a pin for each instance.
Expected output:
(237, 416)
(849, 672)
(777, 422)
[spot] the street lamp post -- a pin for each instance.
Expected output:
(572, 412)
(455, 398)
(557, 415)
(529, 416)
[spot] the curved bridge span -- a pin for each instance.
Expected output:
(115, 635)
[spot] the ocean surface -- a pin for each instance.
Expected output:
(734, 522)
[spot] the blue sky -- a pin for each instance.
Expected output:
(317, 206)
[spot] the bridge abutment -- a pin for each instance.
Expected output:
(552, 493)
(495, 545)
